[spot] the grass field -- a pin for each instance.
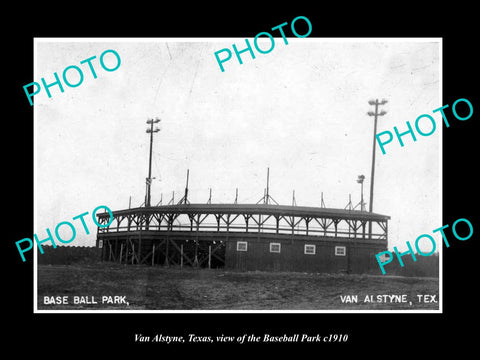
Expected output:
(158, 288)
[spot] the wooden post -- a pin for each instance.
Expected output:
(348, 257)
(166, 252)
(115, 250)
(153, 255)
(102, 255)
(181, 256)
(121, 253)
(209, 256)
(139, 257)
(133, 252)
(195, 261)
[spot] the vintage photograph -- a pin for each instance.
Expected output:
(169, 178)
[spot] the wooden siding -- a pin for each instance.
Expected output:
(359, 258)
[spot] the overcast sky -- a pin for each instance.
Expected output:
(300, 110)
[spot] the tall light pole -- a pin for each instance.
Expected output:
(376, 114)
(149, 178)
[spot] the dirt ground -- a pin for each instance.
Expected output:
(109, 286)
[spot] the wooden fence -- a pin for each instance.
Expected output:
(65, 255)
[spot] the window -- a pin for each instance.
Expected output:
(100, 244)
(340, 251)
(242, 246)
(309, 249)
(275, 247)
